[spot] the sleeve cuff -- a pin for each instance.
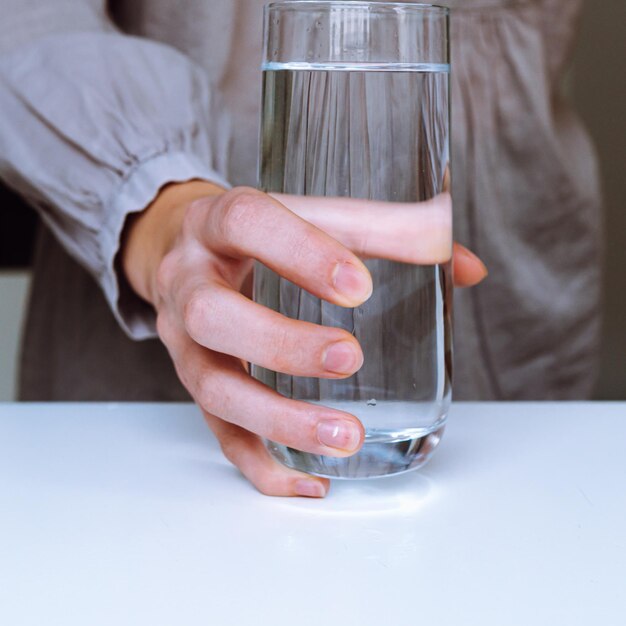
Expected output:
(136, 317)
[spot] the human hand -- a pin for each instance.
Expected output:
(191, 253)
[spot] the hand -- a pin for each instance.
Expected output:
(190, 254)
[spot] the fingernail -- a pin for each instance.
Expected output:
(310, 489)
(352, 282)
(470, 255)
(339, 434)
(342, 358)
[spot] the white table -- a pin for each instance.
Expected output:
(127, 514)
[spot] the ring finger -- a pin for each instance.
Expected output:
(222, 319)
(221, 386)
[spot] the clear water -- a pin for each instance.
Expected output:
(381, 133)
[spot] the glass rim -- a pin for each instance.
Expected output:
(373, 7)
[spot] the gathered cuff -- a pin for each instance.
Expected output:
(137, 317)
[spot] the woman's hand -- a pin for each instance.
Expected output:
(190, 254)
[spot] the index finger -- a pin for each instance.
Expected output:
(408, 232)
(245, 222)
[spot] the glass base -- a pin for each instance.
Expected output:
(383, 454)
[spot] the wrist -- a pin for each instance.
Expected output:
(148, 236)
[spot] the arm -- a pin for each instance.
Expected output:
(94, 123)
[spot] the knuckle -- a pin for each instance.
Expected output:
(270, 485)
(231, 448)
(195, 312)
(180, 358)
(194, 217)
(269, 481)
(283, 351)
(287, 426)
(275, 429)
(305, 247)
(184, 375)
(238, 209)
(166, 273)
(208, 394)
(299, 350)
(164, 328)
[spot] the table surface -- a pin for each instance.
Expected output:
(127, 514)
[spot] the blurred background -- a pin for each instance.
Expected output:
(597, 87)
(598, 91)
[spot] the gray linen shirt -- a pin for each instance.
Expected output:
(104, 103)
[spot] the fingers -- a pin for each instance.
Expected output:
(247, 223)
(204, 320)
(222, 387)
(246, 451)
(469, 270)
(419, 233)
(310, 229)
(224, 320)
(409, 232)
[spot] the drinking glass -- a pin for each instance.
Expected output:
(356, 104)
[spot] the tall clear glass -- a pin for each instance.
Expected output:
(356, 104)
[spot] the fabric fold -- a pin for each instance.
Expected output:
(93, 125)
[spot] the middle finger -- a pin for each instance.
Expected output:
(222, 319)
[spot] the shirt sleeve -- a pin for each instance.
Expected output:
(93, 124)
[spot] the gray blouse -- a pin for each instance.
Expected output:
(102, 104)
